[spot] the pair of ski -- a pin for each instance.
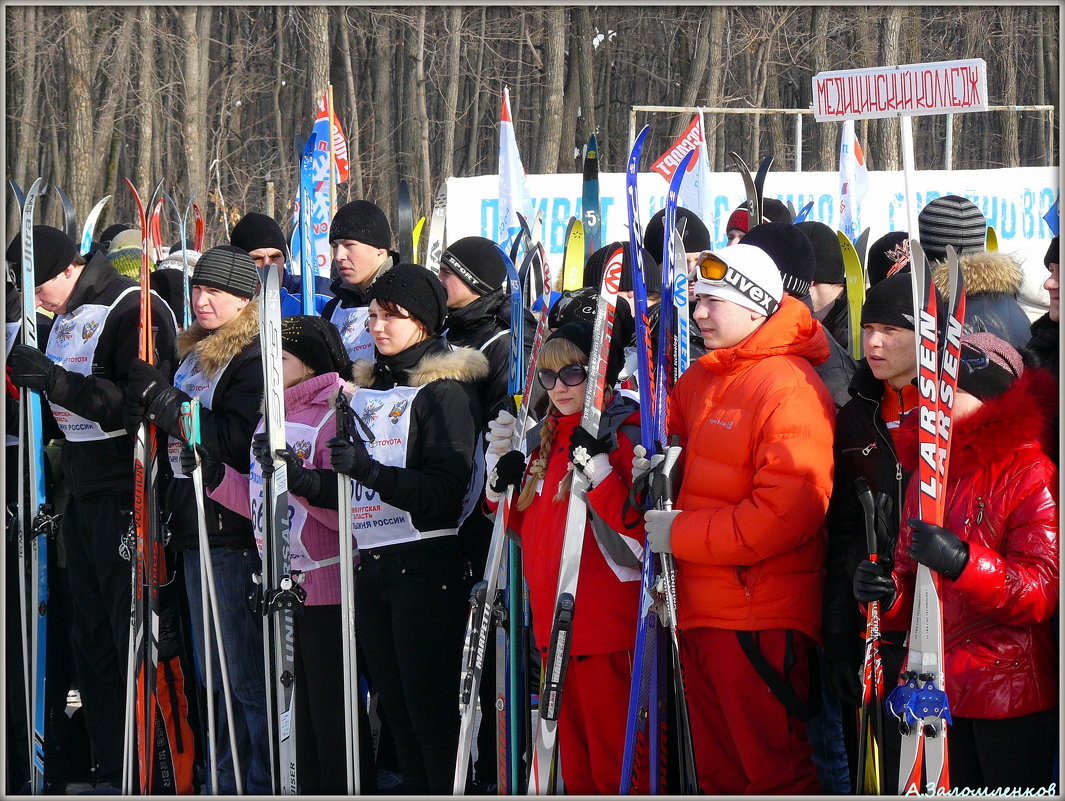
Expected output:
(920, 701)
(657, 640)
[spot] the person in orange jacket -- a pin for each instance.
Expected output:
(755, 423)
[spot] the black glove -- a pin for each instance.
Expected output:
(260, 449)
(583, 446)
(150, 396)
(351, 458)
(843, 674)
(938, 548)
(302, 481)
(873, 583)
(213, 471)
(145, 382)
(30, 368)
(509, 470)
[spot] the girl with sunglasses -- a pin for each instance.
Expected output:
(592, 724)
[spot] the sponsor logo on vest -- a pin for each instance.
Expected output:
(302, 448)
(751, 290)
(397, 411)
(64, 331)
(352, 324)
(372, 408)
(89, 329)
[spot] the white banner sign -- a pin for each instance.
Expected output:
(939, 87)
(1013, 201)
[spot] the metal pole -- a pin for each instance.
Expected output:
(948, 145)
(798, 143)
(907, 173)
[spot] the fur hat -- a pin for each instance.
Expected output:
(790, 251)
(477, 261)
(361, 221)
(750, 278)
(53, 252)
(229, 269)
(951, 220)
(696, 234)
(415, 289)
(254, 231)
(828, 258)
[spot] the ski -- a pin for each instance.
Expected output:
(542, 773)
(759, 184)
(155, 230)
(590, 208)
(484, 596)
(861, 246)
(754, 200)
(803, 213)
(920, 702)
(37, 523)
(682, 323)
(186, 299)
(90, 225)
(405, 229)
(870, 715)
(574, 256)
(308, 251)
(345, 427)
(70, 219)
(419, 227)
(437, 224)
(855, 278)
(990, 240)
(20, 196)
(198, 237)
(282, 596)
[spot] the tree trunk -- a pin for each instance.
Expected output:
(1011, 153)
(472, 149)
(195, 25)
(884, 140)
(451, 99)
(318, 55)
(693, 81)
(571, 104)
(550, 133)
(352, 125)
(420, 199)
(384, 154)
(582, 40)
(716, 61)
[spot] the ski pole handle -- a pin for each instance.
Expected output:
(865, 496)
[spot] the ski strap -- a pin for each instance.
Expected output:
(779, 685)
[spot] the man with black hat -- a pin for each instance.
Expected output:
(882, 394)
(362, 250)
(261, 237)
(828, 286)
(83, 372)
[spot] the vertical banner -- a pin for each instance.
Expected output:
(695, 191)
(321, 188)
(513, 192)
(853, 181)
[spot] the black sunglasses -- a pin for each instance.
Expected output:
(571, 375)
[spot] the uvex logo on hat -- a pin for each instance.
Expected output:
(751, 290)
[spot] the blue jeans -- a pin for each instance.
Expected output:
(242, 634)
(825, 732)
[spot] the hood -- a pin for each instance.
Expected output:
(214, 348)
(790, 331)
(457, 364)
(986, 271)
(1022, 414)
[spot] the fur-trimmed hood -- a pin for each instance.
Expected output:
(986, 271)
(215, 348)
(458, 364)
(1022, 414)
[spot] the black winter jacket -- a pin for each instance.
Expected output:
(992, 280)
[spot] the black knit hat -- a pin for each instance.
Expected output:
(776, 211)
(889, 252)
(696, 234)
(53, 252)
(229, 269)
(890, 302)
(951, 220)
(315, 342)
(580, 332)
(790, 251)
(1053, 254)
(415, 289)
(988, 365)
(596, 264)
(828, 258)
(362, 221)
(254, 231)
(580, 305)
(477, 261)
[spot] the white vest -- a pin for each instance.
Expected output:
(191, 380)
(72, 345)
(387, 413)
(354, 332)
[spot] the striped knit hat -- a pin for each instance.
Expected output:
(951, 220)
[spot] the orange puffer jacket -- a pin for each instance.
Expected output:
(756, 426)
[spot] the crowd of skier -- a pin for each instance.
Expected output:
(775, 418)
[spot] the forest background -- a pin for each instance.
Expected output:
(216, 100)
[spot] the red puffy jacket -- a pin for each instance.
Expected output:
(1000, 653)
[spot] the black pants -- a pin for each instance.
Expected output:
(411, 602)
(100, 615)
(320, 744)
(1008, 753)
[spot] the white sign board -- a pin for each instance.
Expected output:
(1013, 200)
(941, 87)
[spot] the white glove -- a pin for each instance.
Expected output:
(658, 523)
(641, 465)
(501, 433)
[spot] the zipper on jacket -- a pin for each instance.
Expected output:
(980, 513)
(739, 578)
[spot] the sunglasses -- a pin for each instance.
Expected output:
(571, 375)
(710, 267)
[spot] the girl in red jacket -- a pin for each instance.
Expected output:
(591, 732)
(998, 550)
